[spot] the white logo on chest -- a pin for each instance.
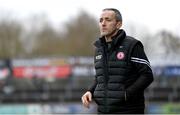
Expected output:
(98, 56)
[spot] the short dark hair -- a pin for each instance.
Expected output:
(117, 13)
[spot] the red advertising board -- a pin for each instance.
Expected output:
(42, 71)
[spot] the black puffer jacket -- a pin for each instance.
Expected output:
(115, 74)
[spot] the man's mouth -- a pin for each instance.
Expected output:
(104, 29)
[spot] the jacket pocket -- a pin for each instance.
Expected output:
(116, 98)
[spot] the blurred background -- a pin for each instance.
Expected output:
(46, 52)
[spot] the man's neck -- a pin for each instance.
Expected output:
(109, 38)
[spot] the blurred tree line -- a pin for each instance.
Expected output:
(39, 38)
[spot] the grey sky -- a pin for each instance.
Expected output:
(155, 14)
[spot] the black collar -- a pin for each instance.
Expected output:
(116, 40)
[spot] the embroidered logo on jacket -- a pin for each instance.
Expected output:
(98, 56)
(120, 55)
(120, 46)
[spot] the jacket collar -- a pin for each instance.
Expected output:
(117, 39)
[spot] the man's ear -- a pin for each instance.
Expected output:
(119, 24)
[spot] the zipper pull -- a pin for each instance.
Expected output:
(125, 95)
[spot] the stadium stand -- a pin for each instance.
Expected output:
(51, 88)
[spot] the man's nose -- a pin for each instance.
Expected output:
(103, 23)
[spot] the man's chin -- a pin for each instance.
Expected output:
(104, 34)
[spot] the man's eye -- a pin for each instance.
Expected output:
(100, 20)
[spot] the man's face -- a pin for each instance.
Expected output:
(108, 23)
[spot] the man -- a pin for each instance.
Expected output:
(123, 71)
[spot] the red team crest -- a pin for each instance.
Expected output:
(120, 55)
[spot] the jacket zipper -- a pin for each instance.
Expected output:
(125, 96)
(106, 77)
